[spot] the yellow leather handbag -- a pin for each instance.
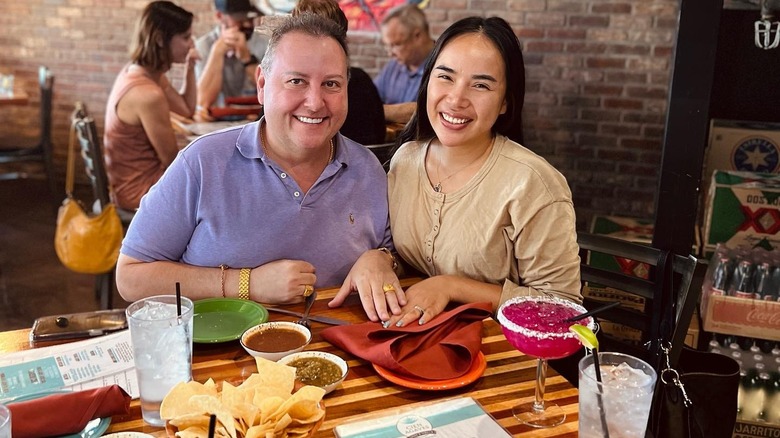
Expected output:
(85, 243)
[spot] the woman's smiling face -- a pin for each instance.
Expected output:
(466, 90)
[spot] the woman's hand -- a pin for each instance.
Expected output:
(425, 300)
(193, 56)
(377, 285)
(281, 281)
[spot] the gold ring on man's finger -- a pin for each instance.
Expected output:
(420, 309)
(388, 288)
(308, 290)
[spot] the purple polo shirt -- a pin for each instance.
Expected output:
(223, 201)
(396, 84)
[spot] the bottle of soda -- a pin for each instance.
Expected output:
(772, 404)
(745, 343)
(720, 276)
(764, 394)
(743, 279)
(763, 281)
(766, 346)
(752, 400)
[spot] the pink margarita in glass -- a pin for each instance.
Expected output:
(537, 326)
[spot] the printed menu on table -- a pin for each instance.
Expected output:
(87, 364)
(457, 417)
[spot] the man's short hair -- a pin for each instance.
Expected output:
(236, 7)
(410, 17)
(308, 24)
(326, 8)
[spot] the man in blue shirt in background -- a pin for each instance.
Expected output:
(405, 34)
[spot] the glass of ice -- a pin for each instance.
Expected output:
(162, 348)
(5, 422)
(623, 397)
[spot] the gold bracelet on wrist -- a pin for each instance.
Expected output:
(243, 283)
(392, 257)
(222, 268)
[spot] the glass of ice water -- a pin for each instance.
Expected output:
(621, 401)
(162, 349)
(6, 85)
(5, 422)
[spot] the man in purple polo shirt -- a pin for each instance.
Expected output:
(273, 209)
(405, 34)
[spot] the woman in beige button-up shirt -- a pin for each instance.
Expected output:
(484, 217)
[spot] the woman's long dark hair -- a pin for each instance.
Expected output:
(500, 33)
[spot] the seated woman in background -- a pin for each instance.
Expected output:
(482, 216)
(139, 139)
(365, 122)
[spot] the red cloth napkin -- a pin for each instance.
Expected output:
(443, 348)
(66, 413)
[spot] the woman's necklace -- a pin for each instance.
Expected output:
(437, 186)
(265, 150)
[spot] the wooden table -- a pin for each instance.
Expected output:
(18, 98)
(508, 379)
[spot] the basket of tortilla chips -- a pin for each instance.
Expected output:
(268, 404)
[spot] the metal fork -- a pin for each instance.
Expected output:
(304, 321)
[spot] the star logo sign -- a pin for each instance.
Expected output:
(756, 154)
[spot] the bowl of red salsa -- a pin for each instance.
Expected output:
(274, 340)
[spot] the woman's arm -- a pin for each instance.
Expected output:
(183, 103)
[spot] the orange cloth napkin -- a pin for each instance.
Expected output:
(67, 412)
(443, 348)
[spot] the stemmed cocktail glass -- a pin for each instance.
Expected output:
(535, 326)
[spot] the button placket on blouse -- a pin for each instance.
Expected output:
(430, 238)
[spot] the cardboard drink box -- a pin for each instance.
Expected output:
(743, 209)
(742, 146)
(743, 316)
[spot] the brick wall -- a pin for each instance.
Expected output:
(597, 78)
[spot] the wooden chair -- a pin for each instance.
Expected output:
(21, 150)
(94, 166)
(670, 293)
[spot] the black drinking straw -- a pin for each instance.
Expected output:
(212, 422)
(592, 312)
(602, 414)
(178, 299)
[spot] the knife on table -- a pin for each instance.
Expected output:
(318, 318)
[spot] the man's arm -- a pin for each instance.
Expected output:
(210, 80)
(399, 112)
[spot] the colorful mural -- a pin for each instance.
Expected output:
(363, 15)
(366, 15)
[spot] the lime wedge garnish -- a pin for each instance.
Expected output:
(587, 337)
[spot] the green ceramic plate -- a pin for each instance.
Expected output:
(225, 319)
(94, 428)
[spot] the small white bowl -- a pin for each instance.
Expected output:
(341, 363)
(275, 325)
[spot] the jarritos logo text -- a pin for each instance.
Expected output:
(746, 312)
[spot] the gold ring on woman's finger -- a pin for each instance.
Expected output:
(388, 288)
(420, 309)
(308, 290)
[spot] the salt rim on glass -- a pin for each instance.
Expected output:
(534, 333)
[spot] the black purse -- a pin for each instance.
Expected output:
(698, 399)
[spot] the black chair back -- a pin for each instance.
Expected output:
(94, 166)
(670, 294)
(40, 149)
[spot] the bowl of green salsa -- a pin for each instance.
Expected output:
(317, 368)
